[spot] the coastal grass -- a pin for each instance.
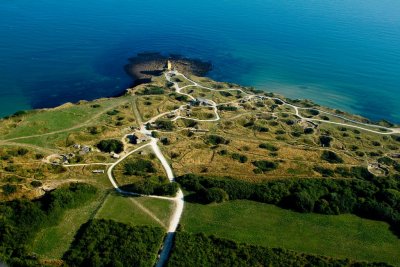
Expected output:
(129, 210)
(59, 119)
(341, 236)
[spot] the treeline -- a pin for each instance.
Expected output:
(200, 250)
(109, 243)
(150, 186)
(21, 219)
(366, 196)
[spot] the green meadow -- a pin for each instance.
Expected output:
(340, 236)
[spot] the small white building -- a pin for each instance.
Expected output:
(98, 171)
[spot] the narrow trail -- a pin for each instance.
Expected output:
(148, 212)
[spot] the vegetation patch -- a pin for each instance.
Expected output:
(22, 219)
(265, 165)
(340, 236)
(111, 145)
(331, 157)
(201, 250)
(378, 198)
(139, 167)
(109, 243)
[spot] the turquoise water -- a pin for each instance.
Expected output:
(345, 54)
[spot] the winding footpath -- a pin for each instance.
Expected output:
(387, 131)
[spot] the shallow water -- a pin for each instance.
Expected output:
(345, 54)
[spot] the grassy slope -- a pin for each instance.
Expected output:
(53, 242)
(61, 118)
(344, 236)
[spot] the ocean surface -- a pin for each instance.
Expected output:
(344, 54)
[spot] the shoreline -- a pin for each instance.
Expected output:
(151, 65)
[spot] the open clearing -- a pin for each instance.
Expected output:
(342, 236)
(53, 242)
(126, 210)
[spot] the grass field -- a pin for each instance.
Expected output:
(342, 236)
(127, 210)
(61, 118)
(53, 242)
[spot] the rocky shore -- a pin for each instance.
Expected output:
(144, 66)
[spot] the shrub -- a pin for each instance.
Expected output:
(112, 112)
(268, 147)
(224, 93)
(216, 140)
(36, 183)
(190, 123)
(375, 143)
(216, 195)
(9, 189)
(331, 157)
(265, 165)
(309, 130)
(22, 151)
(325, 140)
(239, 157)
(111, 145)
(227, 108)
(139, 167)
(164, 125)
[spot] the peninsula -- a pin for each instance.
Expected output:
(186, 171)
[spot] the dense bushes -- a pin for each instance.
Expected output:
(111, 145)
(152, 185)
(268, 147)
(325, 141)
(239, 157)
(216, 140)
(9, 189)
(200, 250)
(139, 167)
(331, 157)
(227, 108)
(21, 219)
(368, 196)
(164, 125)
(265, 165)
(109, 243)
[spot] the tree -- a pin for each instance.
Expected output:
(111, 145)
(216, 195)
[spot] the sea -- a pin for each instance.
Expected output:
(342, 54)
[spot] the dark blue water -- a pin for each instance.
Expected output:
(345, 54)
